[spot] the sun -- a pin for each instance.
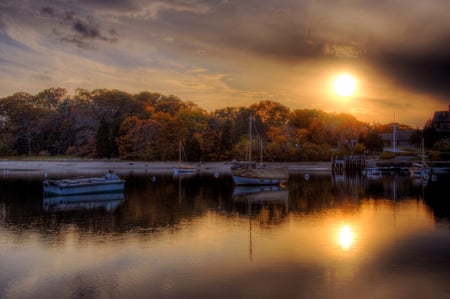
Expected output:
(344, 85)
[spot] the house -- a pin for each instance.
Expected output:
(401, 138)
(441, 122)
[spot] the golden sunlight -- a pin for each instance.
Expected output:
(344, 85)
(345, 237)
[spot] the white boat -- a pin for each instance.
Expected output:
(251, 174)
(180, 168)
(109, 183)
(440, 170)
(184, 169)
(420, 170)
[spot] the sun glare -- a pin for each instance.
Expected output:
(344, 85)
(345, 237)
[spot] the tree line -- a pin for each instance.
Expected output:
(150, 126)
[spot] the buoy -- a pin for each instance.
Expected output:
(153, 179)
(216, 175)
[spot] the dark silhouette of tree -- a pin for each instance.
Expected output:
(430, 135)
(372, 140)
(103, 146)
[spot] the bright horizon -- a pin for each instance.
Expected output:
(227, 54)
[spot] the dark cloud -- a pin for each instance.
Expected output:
(78, 31)
(422, 72)
(47, 11)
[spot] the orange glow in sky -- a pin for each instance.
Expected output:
(221, 54)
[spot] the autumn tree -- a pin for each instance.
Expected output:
(138, 139)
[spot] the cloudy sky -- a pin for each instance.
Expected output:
(220, 53)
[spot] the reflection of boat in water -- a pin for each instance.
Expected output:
(251, 174)
(106, 201)
(267, 204)
(269, 193)
(109, 183)
(257, 198)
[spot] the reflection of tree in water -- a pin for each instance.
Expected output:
(436, 194)
(169, 200)
(152, 205)
(322, 192)
(318, 193)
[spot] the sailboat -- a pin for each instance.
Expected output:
(180, 168)
(420, 170)
(250, 174)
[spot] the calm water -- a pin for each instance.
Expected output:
(200, 237)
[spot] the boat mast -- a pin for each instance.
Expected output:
(423, 151)
(250, 138)
(179, 152)
(394, 134)
(260, 150)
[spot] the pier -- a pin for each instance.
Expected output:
(348, 164)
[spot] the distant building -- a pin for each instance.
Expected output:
(441, 122)
(401, 139)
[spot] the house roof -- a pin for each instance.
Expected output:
(441, 116)
(401, 135)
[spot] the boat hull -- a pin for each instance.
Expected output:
(177, 170)
(260, 176)
(83, 186)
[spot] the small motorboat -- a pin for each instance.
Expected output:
(109, 183)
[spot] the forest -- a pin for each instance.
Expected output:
(150, 126)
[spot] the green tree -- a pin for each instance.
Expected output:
(372, 140)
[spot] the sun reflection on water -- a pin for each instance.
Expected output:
(346, 237)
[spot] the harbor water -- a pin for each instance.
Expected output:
(199, 236)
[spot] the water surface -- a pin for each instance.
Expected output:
(201, 237)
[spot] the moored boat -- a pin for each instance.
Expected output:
(182, 168)
(251, 174)
(419, 170)
(109, 183)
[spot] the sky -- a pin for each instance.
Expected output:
(230, 53)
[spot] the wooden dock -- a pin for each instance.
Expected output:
(348, 164)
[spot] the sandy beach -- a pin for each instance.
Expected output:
(55, 168)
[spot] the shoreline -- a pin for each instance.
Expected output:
(99, 167)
